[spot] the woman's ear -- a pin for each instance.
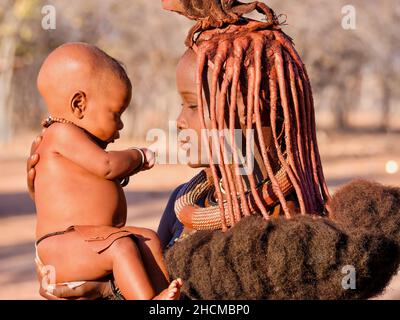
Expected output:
(78, 104)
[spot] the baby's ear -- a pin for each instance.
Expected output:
(78, 104)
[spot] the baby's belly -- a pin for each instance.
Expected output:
(66, 194)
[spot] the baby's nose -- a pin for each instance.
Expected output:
(121, 125)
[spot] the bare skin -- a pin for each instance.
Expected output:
(74, 162)
(187, 119)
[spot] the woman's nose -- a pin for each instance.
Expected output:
(181, 122)
(120, 125)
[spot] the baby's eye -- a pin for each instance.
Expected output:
(192, 106)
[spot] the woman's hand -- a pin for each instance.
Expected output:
(91, 290)
(32, 161)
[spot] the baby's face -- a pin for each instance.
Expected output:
(105, 108)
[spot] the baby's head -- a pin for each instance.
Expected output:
(82, 84)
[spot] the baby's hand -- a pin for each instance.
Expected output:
(150, 159)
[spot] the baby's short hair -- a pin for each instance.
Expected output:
(116, 66)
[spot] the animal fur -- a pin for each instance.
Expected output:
(301, 258)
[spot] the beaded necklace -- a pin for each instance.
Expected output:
(50, 120)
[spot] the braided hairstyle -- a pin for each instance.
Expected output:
(300, 258)
(258, 60)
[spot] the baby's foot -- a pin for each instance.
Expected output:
(172, 292)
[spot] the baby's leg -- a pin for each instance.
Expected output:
(129, 271)
(131, 275)
(150, 248)
(72, 259)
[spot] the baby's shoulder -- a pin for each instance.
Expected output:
(60, 136)
(59, 132)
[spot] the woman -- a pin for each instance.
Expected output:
(243, 74)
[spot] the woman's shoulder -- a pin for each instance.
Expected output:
(169, 211)
(175, 193)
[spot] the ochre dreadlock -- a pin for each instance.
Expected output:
(258, 57)
(215, 13)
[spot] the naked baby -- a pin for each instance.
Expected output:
(81, 207)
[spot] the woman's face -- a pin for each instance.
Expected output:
(189, 115)
(188, 119)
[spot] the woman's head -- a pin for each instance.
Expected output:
(248, 76)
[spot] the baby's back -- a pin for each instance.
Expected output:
(67, 194)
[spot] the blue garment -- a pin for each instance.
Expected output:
(170, 228)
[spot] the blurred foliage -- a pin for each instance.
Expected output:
(346, 67)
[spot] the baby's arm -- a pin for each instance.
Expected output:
(73, 143)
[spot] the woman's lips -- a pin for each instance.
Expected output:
(185, 145)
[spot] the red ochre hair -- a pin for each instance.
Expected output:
(258, 60)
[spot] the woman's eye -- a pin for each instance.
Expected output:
(188, 105)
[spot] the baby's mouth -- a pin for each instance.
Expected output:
(115, 137)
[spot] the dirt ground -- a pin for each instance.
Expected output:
(345, 157)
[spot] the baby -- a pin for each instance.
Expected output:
(81, 207)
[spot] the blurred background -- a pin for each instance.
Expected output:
(351, 49)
